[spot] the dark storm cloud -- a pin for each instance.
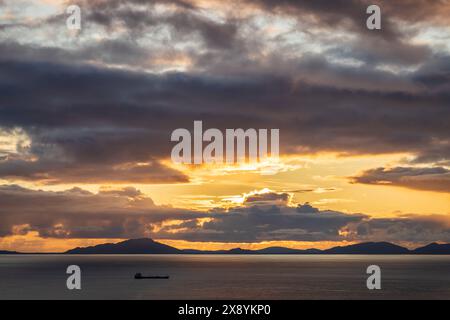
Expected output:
(416, 229)
(183, 24)
(438, 153)
(390, 45)
(353, 12)
(83, 120)
(379, 51)
(88, 116)
(306, 223)
(49, 172)
(186, 22)
(76, 142)
(261, 223)
(113, 4)
(215, 35)
(435, 74)
(139, 18)
(417, 11)
(127, 213)
(77, 213)
(108, 51)
(432, 179)
(345, 13)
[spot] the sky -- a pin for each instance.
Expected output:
(86, 118)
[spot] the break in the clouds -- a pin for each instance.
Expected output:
(127, 213)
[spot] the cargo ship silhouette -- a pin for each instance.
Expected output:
(140, 276)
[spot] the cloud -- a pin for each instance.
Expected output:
(391, 45)
(409, 228)
(430, 179)
(128, 213)
(261, 223)
(107, 104)
(91, 115)
(76, 213)
(435, 73)
(221, 31)
(267, 197)
(183, 24)
(353, 12)
(57, 172)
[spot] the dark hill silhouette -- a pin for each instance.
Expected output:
(239, 251)
(270, 250)
(368, 248)
(134, 246)
(433, 248)
(282, 250)
(195, 251)
(148, 246)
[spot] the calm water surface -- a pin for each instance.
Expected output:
(225, 277)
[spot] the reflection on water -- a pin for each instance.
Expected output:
(225, 277)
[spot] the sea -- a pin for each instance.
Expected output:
(236, 277)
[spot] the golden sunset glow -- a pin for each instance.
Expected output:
(87, 116)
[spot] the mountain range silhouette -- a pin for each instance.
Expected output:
(149, 246)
